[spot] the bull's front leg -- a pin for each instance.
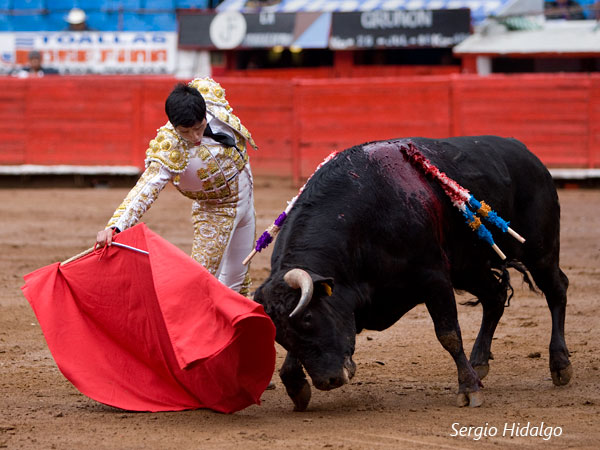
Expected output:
(442, 308)
(493, 308)
(293, 378)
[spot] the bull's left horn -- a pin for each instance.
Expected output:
(298, 278)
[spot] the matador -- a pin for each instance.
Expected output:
(214, 172)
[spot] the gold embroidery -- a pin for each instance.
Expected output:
(213, 167)
(169, 150)
(213, 225)
(203, 153)
(207, 186)
(235, 122)
(245, 288)
(145, 197)
(220, 182)
(175, 156)
(203, 174)
(218, 106)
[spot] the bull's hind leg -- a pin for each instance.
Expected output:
(554, 283)
(441, 305)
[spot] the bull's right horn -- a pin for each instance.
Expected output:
(298, 278)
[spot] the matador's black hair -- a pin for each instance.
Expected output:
(185, 106)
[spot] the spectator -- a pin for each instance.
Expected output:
(34, 67)
(564, 9)
(77, 20)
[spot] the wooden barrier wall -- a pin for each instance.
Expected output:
(296, 123)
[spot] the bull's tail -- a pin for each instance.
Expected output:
(520, 267)
(502, 275)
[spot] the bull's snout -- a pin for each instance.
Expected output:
(336, 379)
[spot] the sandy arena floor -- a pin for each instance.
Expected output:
(401, 397)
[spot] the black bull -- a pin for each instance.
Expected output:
(374, 237)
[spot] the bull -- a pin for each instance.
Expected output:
(371, 236)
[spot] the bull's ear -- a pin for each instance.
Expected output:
(328, 289)
(323, 285)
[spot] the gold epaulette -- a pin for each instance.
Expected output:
(218, 106)
(169, 150)
(212, 92)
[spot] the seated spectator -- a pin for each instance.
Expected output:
(34, 67)
(563, 9)
(77, 20)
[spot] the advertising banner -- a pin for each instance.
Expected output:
(334, 30)
(232, 29)
(93, 52)
(398, 29)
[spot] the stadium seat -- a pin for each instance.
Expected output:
(134, 22)
(29, 23)
(5, 5)
(103, 21)
(5, 24)
(191, 4)
(91, 5)
(161, 21)
(122, 5)
(60, 5)
(159, 5)
(56, 21)
(28, 4)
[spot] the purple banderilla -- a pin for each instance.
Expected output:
(267, 237)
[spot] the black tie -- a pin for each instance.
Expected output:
(221, 138)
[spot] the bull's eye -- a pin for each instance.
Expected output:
(307, 318)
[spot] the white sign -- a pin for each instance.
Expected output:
(228, 29)
(93, 51)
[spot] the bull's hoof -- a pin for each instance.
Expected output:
(302, 398)
(562, 376)
(482, 370)
(470, 399)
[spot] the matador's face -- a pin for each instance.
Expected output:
(194, 133)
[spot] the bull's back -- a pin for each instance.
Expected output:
(500, 171)
(470, 159)
(491, 167)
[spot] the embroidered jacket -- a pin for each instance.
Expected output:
(200, 172)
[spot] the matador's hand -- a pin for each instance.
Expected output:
(105, 237)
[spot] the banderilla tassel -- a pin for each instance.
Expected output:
(484, 210)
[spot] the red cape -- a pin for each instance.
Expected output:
(152, 332)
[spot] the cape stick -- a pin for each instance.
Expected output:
(269, 234)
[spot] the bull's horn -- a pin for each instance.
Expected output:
(298, 278)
